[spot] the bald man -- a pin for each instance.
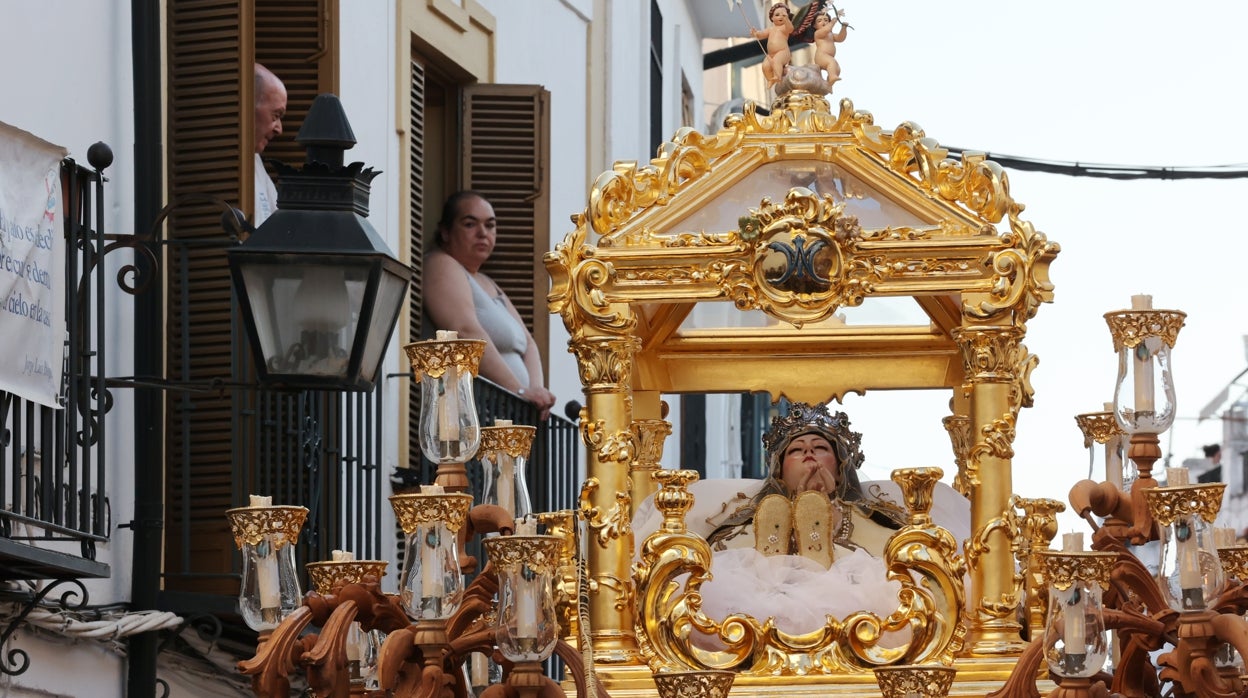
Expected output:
(270, 108)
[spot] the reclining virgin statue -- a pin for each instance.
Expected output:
(806, 542)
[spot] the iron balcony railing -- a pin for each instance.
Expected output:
(53, 506)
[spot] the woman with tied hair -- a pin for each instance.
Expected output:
(779, 545)
(460, 296)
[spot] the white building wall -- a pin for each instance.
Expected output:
(70, 83)
(367, 81)
(549, 46)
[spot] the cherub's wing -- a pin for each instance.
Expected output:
(804, 21)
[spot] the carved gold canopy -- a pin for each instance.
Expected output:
(807, 254)
(876, 244)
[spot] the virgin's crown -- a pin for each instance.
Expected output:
(804, 418)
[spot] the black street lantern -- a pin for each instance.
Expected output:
(319, 290)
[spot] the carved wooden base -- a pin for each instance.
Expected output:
(1083, 687)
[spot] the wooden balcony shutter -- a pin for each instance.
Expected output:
(506, 152)
(207, 155)
(416, 246)
(210, 48)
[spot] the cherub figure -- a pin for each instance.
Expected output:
(777, 36)
(825, 44)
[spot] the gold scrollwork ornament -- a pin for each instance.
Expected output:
(414, 508)
(515, 441)
(920, 557)
(606, 525)
(251, 524)
(1130, 327)
(1167, 504)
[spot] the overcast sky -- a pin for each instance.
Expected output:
(1138, 83)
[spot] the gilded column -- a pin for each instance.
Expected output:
(650, 435)
(1038, 526)
(606, 368)
(996, 366)
(959, 428)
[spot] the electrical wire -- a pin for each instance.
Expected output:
(1121, 172)
(108, 627)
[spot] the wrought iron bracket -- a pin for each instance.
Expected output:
(17, 661)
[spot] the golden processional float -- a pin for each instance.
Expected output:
(790, 217)
(783, 221)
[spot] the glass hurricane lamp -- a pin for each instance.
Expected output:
(1144, 390)
(266, 535)
(527, 627)
(1075, 643)
(504, 452)
(430, 584)
(450, 431)
(1190, 574)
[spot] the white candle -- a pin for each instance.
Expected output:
(480, 670)
(1072, 542)
(1143, 367)
(431, 582)
(1113, 456)
(1074, 634)
(1176, 477)
(341, 556)
(1189, 556)
(526, 606)
(526, 526)
(354, 638)
(270, 591)
(507, 483)
(448, 406)
(266, 566)
(527, 593)
(1224, 537)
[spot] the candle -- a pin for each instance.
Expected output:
(507, 483)
(1224, 537)
(448, 406)
(354, 638)
(1074, 634)
(1176, 477)
(266, 565)
(526, 611)
(432, 586)
(527, 592)
(1072, 542)
(527, 595)
(1143, 368)
(1113, 456)
(341, 556)
(526, 526)
(1190, 577)
(506, 487)
(480, 670)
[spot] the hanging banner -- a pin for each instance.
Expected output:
(32, 267)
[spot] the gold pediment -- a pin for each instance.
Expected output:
(795, 220)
